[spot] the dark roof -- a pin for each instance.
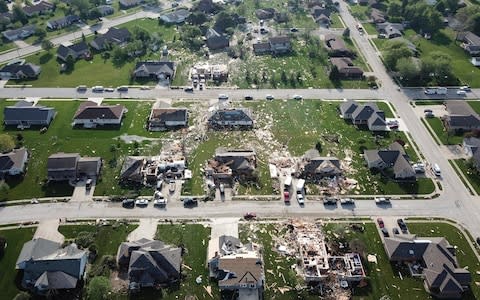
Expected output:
(77, 50)
(345, 66)
(28, 69)
(335, 43)
(105, 9)
(37, 8)
(113, 35)
(470, 121)
(18, 113)
(88, 165)
(65, 21)
(169, 114)
(55, 280)
(348, 107)
(155, 67)
(63, 161)
(14, 158)
(364, 112)
(279, 40)
(132, 168)
(90, 110)
(26, 30)
(261, 47)
(471, 38)
(129, 3)
(236, 114)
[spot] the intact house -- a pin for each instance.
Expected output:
(390, 30)
(20, 33)
(90, 115)
(394, 159)
(237, 267)
(40, 8)
(336, 46)
(20, 70)
(105, 10)
(231, 118)
(125, 4)
(167, 118)
(434, 260)
(364, 114)
(70, 166)
(216, 40)
(314, 167)
(274, 45)
(76, 51)
(346, 68)
(62, 22)
(48, 267)
(150, 263)
(25, 114)
(470, 147)
(13, 163)
(230, 164)
(321, 15)
(460, 118)
(377, 16)
(115, 36)
(470, 42)
(175, 17)
(156, 70)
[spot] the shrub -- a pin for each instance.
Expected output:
(98, 288)
(85, 239)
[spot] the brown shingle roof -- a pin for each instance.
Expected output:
(90, 110)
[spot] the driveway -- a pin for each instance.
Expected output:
(145, 230)
(80, 193)
(221, 226)
(48, 229)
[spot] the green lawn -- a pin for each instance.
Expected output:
(194, 237)
(61, 137)
(475, 105)
(8, 276)
(471, 174)
(359, 11)
(336, 21)
(7, 46)
(464, 252)
(370, 28)
(446, 139)
(107, 238)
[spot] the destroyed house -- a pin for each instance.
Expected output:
(230, 118)
(144, 169)
(228, 164)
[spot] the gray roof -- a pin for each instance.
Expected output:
(231, 115)
(21, 112)
(12, 159)
(176, 16)
(472, 142)
(155, 67)
(348, 107)
(459, 108)
(63, 22)
(132, 167)
(75, 50)
(392, 158)
(90, 110)
(28, 69)
(169, 114)
(113, 35)
(376, 120)
(63, 161)
(470, 121)
(37, 8)
(37, 248)
(364, 112)
(24, 31)
(88, 165)
(55, 280)
(323, 165)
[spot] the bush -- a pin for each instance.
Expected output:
(107, 264)
(85, 239)
(98, 288)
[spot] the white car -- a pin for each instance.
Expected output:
(222, 97)
(109, 90)
(461, 93)
(160, 202)
(465, 88)
(269, 97)
(430, 92)
(382, 200)
(297, 97)
(347, 201)
(141, 202)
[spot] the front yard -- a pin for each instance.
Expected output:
(470, 173)
(446, 138)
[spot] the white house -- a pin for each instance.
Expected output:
(91, 115)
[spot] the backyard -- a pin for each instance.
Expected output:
(8, 276)
(61, 137)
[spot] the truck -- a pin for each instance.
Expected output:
(300, 185)
(437, 90)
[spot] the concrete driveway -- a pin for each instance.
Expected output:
(48, 229)
(81, 194)
(146, 229)
(221, 226)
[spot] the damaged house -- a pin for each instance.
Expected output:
(315, 167)
(394, 158)
(231, 118)
(230, 164)
(167, 118)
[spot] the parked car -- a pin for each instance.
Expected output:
(222, 97)
(427, 110)
(380, 222)
(329, 201)
(248, 97)
(382, 200)
(122, 89)
(461, 93)
(429, 115)
(269, 97)
(141, 202)
(161, 202)
(403, 226)
(222, 188)
(297, 97)
(347, 201)
(188, 89)
(81, 88)
(88, 183)
(465, 88)
(249, 215)
(286, 195)
(293, 29)
(128, 203)
(97, 89)
(109, 90)
(385, 232)
(478, 240)
(190, 202)
(171, 186)
(395, 231)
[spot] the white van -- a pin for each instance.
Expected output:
(436, 170)
(288, 181)
(97, 89)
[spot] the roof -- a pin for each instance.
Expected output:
(129, 3)
(65, 21)
(169, 114)
(155, 67)
(231, 115)
(472, 142)
(37, 8)
(176, 16)
(88, 165)
(55, 280)
(105, 9)
(394, 157)
(37, 248)
(279, 40)
(325, 165)
(77, 49)
(132, 167)
(113, 35)
(471, 38)
(91, 110)
(25, 31)
(459, 108)
(335, 43)
(22, 112)
(348, 107)
(345, 65)
(240, 270)
(62, 161)
(262, 46)
(12, 159)
(471, 121)
(364, 112)
(28, 69)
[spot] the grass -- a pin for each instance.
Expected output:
(469, 173)
(336, 21)
(359, 12)
(370, 28)
(61, 137)
(475, 105)
(107, 238)
(432, 133)
(464, 252)
(7, 47)
(446, 138)
(194, 237)
(8, 276)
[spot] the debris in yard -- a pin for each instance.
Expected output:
(198, 280)
(186, 267)
(372, 258)
(209, 290)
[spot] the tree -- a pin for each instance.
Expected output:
(40, 33)
(346, 32)
(224, 21)
(436, 67)
(47, 45)
(7, 143)
(81, 7)
(98, 288)
(334, 74)
(407, 69)
(394, 50)
(19, 14)
(22, 296)
(3, 6)
(94, 13)
(283, 77)
(197, 18)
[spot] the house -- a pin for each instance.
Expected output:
(336, 45)
(125, 4)
(20, 70)
(461, 117)
(315, 167)
(6, 17)
(470, 145)
(132, 169)
(70, 166)
(40, 8)
(393, 158)
(48, 267)
(321, 15)
(216, 40)
(470, 42)
(265, 13)
(280, 44)
(147, 169)
(433, 259)
(205, 71)
(150, 263)
(62, 22)
(262, 48)
(390, 30)
(377, 16)
(347, 108)
(116, 36)
(176, 17)
(231, 118)
(346, 68)
(13, 162)
(105, 10)
(90, 115)
(229, 164)
(19, 33)
(156, 70)
(25, 114)
(167, 118)
(76, 51)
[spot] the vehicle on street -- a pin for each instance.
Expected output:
(465, 88)
(426, 111)
(190, 202)
(395, 231)
(248, 97)
(34, 201)
(385, 232)
(159, 184)
(82, 88)
(347, 201)
(442, 91)
(430, 91)
(293, 29)
(419, 167)
(269, 97)
(297, 97)
(188, 89)
(141, 202)
(122, 89)
(222, 97)
(249, 215)
(461, 93)
(97, 89)
(161, 202)
(403, 226)
(436, 170)
(429, 115)
(382, 200)
(145, 88)
(300, 185)
(109, 90)
(88, 183)
(330, 201)
(128, 203)
(286, 195)
(222, 188)
(171, 186)
(380, 222)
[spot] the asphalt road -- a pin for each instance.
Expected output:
(454, 202)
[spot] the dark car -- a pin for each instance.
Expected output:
(128, 203)
(403, 226)
(188, 89)
(190, 202)
(478, 240)
(248, 97)
(395, 231)
(122, 89)
(385, 232)
(330, 201)
(249, 215)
